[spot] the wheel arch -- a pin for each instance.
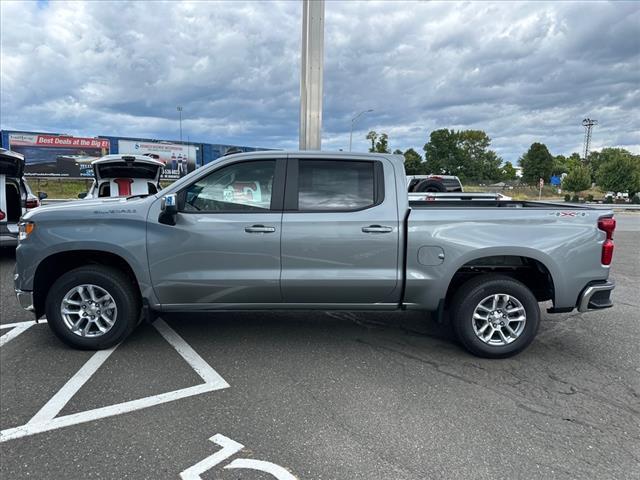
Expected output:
(530, 268)
(57, 264)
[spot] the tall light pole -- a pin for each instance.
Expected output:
(311, 74)
(353, 121)
(180, 113)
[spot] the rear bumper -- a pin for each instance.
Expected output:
(596, 296)
(25, 299)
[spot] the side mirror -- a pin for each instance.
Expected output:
(168, 209)
(82, 195)
(42, 195)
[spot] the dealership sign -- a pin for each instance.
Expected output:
(58, 155)
(179, 159)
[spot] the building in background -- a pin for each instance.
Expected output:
(59, 155)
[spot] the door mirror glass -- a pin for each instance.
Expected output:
(42, 195)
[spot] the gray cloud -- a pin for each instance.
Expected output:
(523, 72)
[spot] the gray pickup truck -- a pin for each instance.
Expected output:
(310, 230)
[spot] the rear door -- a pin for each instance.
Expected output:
(225, 246)
(340, 233)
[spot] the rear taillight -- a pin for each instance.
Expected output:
(2, 215)
(608, 226)
(32, 203)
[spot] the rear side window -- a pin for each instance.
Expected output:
(335, 185)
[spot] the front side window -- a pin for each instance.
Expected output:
(241, 187)
(335, 185)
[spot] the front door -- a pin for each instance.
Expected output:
(225, 246)
(340, 233)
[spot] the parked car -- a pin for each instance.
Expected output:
(16, 197)
(124, 175)
(433, 183)
(307, 230)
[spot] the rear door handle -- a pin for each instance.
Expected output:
(377, 229)
(259, 229)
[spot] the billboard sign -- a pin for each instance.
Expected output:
(179, 159)
(50, 155)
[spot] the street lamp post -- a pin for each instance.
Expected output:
(180, 113)
(353, 121)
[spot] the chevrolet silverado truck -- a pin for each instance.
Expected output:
(310, 231)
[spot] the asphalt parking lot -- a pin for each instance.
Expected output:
(326, 396)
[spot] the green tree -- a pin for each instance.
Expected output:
(620, 173)
(559, 165)
(372, 136)
(413, 163)
(578, 179)
(536, 163)
(441, 152)
(508, 172)
(379, 142)
(478, 161)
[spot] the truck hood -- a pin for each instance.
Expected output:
(88, 209)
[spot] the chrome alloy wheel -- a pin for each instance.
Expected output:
(88, 310)
(499, 319)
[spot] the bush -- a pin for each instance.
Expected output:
(575, 198)
(567, 198)
(608, 200)
(636, 199)
(589, 198)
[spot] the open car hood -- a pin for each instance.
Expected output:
(11, 163)
(127, 166)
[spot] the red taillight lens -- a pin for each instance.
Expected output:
(607, 252)
(33, 203)
(2, 215)
(608, 226)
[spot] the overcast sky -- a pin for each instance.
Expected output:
(523, 72)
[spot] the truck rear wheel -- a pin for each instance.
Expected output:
(495, 316)
(92, 307)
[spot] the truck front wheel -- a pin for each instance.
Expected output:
(92, 307)
(495, 316)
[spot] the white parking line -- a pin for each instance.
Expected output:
(16, 329)
(62, 396)
(46, 420)
(18, 324)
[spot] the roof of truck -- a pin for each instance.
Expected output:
(309, 153)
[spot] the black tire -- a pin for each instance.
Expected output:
(471, 293)
(117, 284)
(430, 185)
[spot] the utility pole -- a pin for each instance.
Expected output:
(588, 124)
(312, 67)
(353, 121)
(180, 113)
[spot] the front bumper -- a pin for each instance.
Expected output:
(25, 299)
(596, 296)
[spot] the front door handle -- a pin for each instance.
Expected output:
(259, 229)
(377, 229)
